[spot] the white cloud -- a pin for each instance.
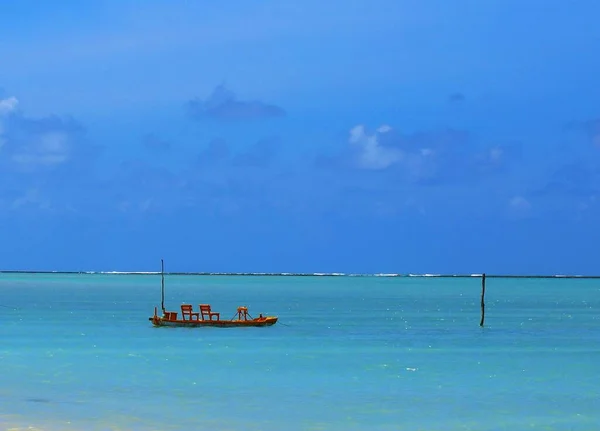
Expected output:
(357, 133)
(520, 202)
(48, 149)
(371, 154)
(8, 105)
(31, 197)
(53, 142)
(27, 144)
(496, 154)
(519, 206)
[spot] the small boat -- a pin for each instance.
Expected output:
(205, 316)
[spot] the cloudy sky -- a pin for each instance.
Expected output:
(344, 136)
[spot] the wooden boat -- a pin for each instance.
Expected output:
(205, 316)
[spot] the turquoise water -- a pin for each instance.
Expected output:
(349, 353)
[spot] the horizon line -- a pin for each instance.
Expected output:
(303, 274)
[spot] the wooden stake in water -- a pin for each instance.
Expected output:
(162, 285)
(482, 299)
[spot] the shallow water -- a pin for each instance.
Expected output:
(348, 353)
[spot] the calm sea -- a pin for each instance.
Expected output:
(77, 352)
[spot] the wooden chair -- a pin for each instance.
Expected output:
(206, 311)
(186, 310)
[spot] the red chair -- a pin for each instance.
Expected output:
(206, 311)
(186, 310)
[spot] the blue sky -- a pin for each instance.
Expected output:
(380, 136)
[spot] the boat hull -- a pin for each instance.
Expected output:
(265, 321)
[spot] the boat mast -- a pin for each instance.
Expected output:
(162, 284)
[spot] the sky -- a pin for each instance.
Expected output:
(382, 136)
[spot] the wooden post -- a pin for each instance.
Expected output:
(482, 299)
(162, 285)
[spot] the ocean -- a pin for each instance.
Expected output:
(348, 353)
